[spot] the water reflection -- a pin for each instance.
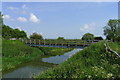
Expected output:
(25, 72)
(38, 66)
(59, 59)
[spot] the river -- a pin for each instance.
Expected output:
(36, 67)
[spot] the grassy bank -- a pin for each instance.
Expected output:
(91, 62)
(15, 53)
(50, 51)
(115, 46)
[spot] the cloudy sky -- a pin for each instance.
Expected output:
(53, 19)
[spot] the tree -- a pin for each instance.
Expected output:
(1, 23)
(112, 30)
(88, 36)
(36, 36)
(98, 38)
(8, 32)
(60, 38)
(23, 34)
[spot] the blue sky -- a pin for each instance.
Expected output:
(53, 19)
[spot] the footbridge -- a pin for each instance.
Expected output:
(67, 43)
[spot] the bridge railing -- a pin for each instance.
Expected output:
(75, 42)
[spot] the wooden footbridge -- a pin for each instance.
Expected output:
(75, 43)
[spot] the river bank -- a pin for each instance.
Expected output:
(35, 67)
(15, 53)
(91, 62)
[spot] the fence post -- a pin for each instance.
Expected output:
(39, 41)
(34, 41)
(62, 43)
(44, 41)
(30, 41)
(76, 43)
(56, 42)
(50, 42)
(22, 40)
(26, 41)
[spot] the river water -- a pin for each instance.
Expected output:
(37, 66)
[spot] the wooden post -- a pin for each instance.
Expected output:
(76, 43)
(39, 41)
(68, 43)
(26, 41)
(22, 40)
(83, 43)
(30, 41)
(50, 42)
(62, 43)
(34, 41)
(44, 42)
(92, 41)
(56, 42)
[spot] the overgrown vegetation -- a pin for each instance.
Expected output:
(54, 51)
(15, 52)
(8, 32)
(36, 36)
(115, 46)
(88, 36)
(91, 62)
(112, 30)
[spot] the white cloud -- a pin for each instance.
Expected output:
(19, 28)
(34, 19)
(7, 17)
(12, 8)
(24, 7)
(88, 27)
(22, 19)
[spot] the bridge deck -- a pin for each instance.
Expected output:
(59, 43)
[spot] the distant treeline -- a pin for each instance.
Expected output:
(8, 32)
(111, 31)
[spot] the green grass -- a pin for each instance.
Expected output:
(15, 53)
(54, 51)
(115, 46)
(91, 62)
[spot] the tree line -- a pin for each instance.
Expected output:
(8, 33)
(111, 31)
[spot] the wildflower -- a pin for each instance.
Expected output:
(109, 75)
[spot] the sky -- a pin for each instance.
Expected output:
(60, 0)
(59, 19)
